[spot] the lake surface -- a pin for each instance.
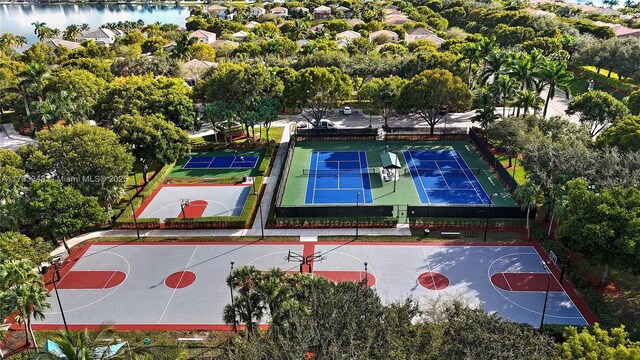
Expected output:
(17, 18)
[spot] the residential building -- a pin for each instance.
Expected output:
(216, 44)
(217, 10)
(251, 24)
(322, 13)
(620, 30)
(58, 43)
(348, 35)
(345, 11)
(203, 36)
(342, 43)
(102, 36)
(397, 19)
(257, 11)
(240, 35)
(392, 36)
(193, 70)
(280, 11)
(354, 22)
(422, 34)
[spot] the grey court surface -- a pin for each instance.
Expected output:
(205, 200)
(141, 299)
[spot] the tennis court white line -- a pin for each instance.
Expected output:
(457, 155)
(364, 194)
(315, 180)
(419, 177)
(442, 175)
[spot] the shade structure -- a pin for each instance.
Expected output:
(390, 160)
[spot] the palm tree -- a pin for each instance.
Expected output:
(182, 51)
(248, 305)
(48, 33)
(485, 109)
(32, 83)
(504, 87)
(555, 76)
(59, 106)
(486, 47)
(84, 27)
(528, 194)
(495, 65)
(38, 26)
(471, 55)
(23, 292)
(71, 32)
(82, 345)
(528, 99)
(8, 41)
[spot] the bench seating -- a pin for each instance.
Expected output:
(450, 234)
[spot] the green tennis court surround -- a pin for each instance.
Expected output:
(297, 181)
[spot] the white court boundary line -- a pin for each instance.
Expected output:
(524, 307)
(176, 289)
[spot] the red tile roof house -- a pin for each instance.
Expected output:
(203, 36)
(422, 34)
(393, 37)
(280, 11)
(322, 13)
(620, 30)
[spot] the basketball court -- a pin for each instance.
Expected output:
(165, 286)
(194, 201)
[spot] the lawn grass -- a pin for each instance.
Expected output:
(613, 85)
(520, 175)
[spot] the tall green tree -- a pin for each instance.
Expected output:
(484, 103)
(382, 95)
(22, 292)
(151, 139)
(624, 134)
(15, 246)
(529, 195)
(83, 345)
(55, 211)
(603, 225)
(555, 76)
(597, 109)
(90, 158)
(319, 89)
(71, 32)
(505, 87)
(597, 343)
(427, 93)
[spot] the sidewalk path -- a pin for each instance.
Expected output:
(11, 140)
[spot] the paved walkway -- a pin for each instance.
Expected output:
(11, 140)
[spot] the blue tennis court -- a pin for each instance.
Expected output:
(443, 177)
(337, 177)
(222, 162)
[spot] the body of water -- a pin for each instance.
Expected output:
(17, 18)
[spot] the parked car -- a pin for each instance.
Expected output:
(326, 124)
(346, 110)
(302, 124)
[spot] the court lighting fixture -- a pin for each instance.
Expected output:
(233, 307)
(357, 217)
(56, 266)
(486, 224)
(133, 213)
(546, 294)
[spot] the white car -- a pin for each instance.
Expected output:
(346, 110)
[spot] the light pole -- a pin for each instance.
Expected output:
(546, 295)
(183, 203)
(133, 213)
(260, 211)
(366, 275)
(56, 266)
(486, 224)
(233, 307)
(357, 214)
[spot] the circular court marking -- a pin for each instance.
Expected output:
(180, 279)
(433, 280)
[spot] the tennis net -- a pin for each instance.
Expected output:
(436, 171)
(340, 172)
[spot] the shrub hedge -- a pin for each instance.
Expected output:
(423, 222)
(125, 220)
(333, 222)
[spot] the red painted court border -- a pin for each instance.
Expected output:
(342, 276)
(180, 279)
(525, 282)
(195, 209)
(588, 315)
(148, 200)
(91, 279)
